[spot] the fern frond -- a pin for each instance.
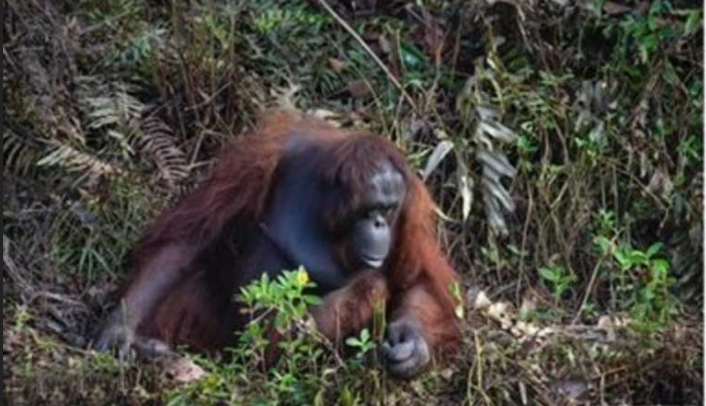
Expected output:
(113, 109)
(160, 143)
(73, 160)
(19, 153)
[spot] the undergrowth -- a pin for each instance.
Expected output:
(563, 142)
(308, 370)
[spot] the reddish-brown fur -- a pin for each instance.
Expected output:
(213, 227)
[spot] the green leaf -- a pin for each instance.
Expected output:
(638, 257)
(604, 244)
(313, 300)
(693, 22)
(353, 342)
(549, 274)
(654, 249)
(347, 397)
(319, 399)
(365, 335)
(623, 259)
(660, 267)
(412, 57)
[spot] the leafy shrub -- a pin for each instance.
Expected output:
(309, 370)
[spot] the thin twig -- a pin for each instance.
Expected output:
(372, 54)
(589, 288)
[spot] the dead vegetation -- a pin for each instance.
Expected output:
(563, 142)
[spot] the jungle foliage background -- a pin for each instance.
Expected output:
(562, 140)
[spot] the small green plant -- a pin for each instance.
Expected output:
(274, 19)
(363, 343)
(306, 373)
(286, 298)
(558, 278)
(606, 222)
(643, 282)
(650, 31)
(647, 32)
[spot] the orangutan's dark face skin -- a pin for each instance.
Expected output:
(372, 232)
